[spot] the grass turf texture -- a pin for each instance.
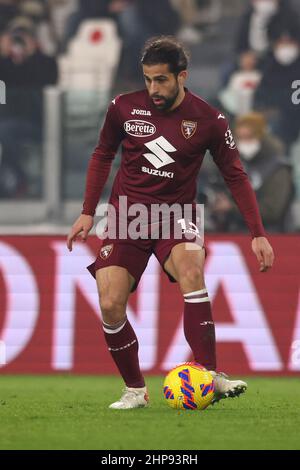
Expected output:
(64, 412)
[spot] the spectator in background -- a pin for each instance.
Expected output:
(274, 94)
(38, 11)
(88, 9)
(199, 18)
(22, 63)
(8, 10)
(138, 21)
(237, 97)
(25, 71)
(189, 13)
(58, 13)
(158, 16)
(270, 174)
(264, 20)
(254, 31)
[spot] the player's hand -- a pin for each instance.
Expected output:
(264, 253)
(80, 229)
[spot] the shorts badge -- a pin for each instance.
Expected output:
(106, 251)
(188, 128)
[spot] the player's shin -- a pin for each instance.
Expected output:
(123, 345)
(199, 328)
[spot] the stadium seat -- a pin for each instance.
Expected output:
(86, 77)
(92, 57)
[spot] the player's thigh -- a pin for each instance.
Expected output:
(186, 265)
(114, 285)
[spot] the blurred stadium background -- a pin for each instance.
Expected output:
(62, 61)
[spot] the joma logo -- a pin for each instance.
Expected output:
(141, 112)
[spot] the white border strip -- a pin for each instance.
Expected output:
(197, 292)
(197, 301)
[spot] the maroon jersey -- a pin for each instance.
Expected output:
(162, 153)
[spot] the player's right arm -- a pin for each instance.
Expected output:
(98, 171)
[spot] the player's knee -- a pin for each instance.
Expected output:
(113, 309)
(191, 278)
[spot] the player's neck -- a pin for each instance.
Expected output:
(179, 99)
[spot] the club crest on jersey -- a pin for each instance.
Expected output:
(188, 128)
(106, 251)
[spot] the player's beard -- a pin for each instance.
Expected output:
(168, 102)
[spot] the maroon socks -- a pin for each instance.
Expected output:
(123, 345)
(199, 328)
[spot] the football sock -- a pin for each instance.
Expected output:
(199, 328)
(123, 346)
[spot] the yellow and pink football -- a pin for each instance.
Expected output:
(189, 386)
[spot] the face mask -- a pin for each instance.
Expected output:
(286, 55)
(248, 150)
(265, 7)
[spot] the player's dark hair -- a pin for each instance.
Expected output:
(166, 50)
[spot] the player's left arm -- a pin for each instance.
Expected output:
(227, 158)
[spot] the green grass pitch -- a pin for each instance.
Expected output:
(65, 412)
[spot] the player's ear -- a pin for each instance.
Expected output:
(182, 76)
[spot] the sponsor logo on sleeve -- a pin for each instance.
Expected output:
(137, 128)
(229, 139)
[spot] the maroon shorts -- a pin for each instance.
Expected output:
(133, 255)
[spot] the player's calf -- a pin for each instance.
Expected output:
(191, 279)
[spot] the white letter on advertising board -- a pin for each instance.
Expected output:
(71, 273)
(22, 302)
(294, 362)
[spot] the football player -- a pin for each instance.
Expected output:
(165, 131)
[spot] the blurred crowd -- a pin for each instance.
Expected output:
(257, 95)
(255, 88)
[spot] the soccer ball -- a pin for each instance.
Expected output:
(189, 386)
